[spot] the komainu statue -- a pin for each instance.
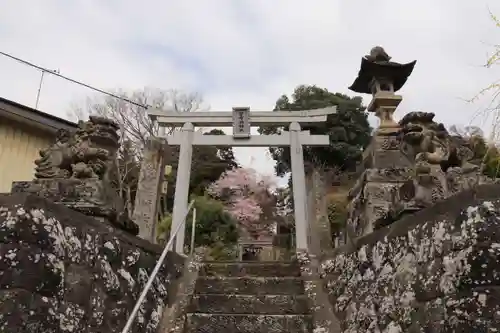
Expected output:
(74, 172)
(54, 160)
(430, 145)
(83, 155)
(441, 161)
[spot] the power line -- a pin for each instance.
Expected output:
(56, 73)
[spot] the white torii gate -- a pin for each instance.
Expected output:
(241, 120)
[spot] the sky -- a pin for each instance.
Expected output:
(248, 53)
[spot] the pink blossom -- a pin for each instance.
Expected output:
(245, 209)
(242, 189)
(242, 180)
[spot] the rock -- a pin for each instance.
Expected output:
(62, 271)
(434, 271)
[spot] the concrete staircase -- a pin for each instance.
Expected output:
(248, 297)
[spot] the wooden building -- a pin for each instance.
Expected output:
(23, 132)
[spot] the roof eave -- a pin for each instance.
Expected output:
(33, 118)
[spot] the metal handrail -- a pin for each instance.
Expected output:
(193, 230)
(148, 285)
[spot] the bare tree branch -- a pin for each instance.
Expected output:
(135, 125)
(134, 121)
(491, 114)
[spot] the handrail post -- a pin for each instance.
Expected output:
(155, 271)
(193, 230)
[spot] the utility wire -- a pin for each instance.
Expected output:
(56, 73)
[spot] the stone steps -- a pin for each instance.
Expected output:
(235, 269)
(249, 285)
(249, 304)
(248, 297)
(244, 323)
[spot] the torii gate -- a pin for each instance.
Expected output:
(241, 120)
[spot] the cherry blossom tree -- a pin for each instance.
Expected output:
(248, 198)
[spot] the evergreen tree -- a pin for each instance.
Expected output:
(348, 129)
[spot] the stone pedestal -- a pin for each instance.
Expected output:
(87, 196)
(386, 168)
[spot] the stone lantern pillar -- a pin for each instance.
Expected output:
(385, 166)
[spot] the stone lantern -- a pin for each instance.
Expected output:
(382, 78)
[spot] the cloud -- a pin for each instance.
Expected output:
(246, 53)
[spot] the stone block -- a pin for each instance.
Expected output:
(78, 284)
(71, 266)
(385, 151)
(173, 318)
(235, 269)
(249, 285)
(250, 304)
(434, 271)
(389, 175)
(321, 310)
(215, 323)
(380, 192)
(475, 310)
(386, 142)
(84, 195)
(382, 159)
(25, 312)
(375, 213)
(91, 197)
(25, 267)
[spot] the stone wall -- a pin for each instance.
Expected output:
(61, 271)
(434, 271)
